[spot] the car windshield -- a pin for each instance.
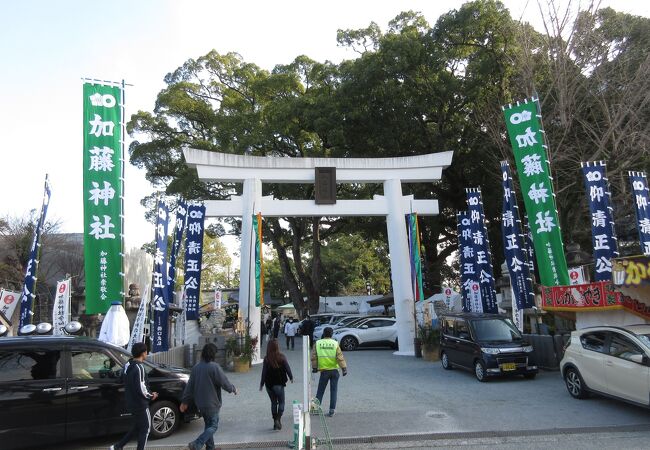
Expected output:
(496, 330)
(645, 339)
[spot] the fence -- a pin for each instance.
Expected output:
(548, 350)
(176, 356)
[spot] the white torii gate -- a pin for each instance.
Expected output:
(252, 171)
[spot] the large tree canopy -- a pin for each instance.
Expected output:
(413, 89)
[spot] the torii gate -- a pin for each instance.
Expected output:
(252, 171)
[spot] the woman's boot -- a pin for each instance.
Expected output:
(279, 420)
(275, 422)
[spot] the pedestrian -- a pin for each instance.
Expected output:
(275, 373)
(290, 329)
(327, 357)
(308, 329)
(269, 328)
(276, 327)
(262, 330)
(204, 388)
(137, 395)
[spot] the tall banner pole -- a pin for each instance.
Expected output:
(193, 258)
(103, 177)
(514, 247)
(523, 122)
(160, 302)
(482, 254)
(640, 191)
(29, 284)
(603, 235)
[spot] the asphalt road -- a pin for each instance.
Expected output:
(394, 397)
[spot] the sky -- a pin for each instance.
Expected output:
(47, 47)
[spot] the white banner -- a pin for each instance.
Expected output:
(138, 324)
(577, 275)
(8, 302)
(181, 320)
(217, 299)
(517, 314)
(61, 313)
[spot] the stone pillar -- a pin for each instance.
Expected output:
(400, 267)
(251, 200)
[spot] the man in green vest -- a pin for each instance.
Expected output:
(327, 357)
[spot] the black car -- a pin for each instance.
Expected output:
(55, 389)
(488, 344)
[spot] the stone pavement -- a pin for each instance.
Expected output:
(403, 401)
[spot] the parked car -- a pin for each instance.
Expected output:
(61, 388)
(340, 322)
(369, 332)
(488, 344)
(610, 361)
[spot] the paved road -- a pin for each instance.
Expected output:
(387, 395)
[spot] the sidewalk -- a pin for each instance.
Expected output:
(401, 398)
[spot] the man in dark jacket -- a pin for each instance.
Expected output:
(307, 329)
(137, 396)
(204, 388)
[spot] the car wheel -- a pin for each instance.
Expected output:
(349, 343)
(165, 418)
(530, 376)
(479, 371)
(396, 344)
(574, 383)
(444, 360)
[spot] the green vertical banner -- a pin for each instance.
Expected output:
(102, 194)
(523, 122)
(259, 260)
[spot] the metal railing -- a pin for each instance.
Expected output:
(175, 356)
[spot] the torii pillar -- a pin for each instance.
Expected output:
(252, 171)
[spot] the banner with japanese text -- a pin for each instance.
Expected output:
(482, 254)
(61, 310)
(414, 253)
(603, 236)
(514, 245)
(598, 296)
(631, 271)
(193, 258)
(160, 288)
(179, 228)
(527, 139)
(102, 196)
(29, 283)
(259, 260)
(530, 247)
(8, 302)
(639, 183)
(470, 287)
(137, 332)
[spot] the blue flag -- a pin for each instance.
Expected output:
(470, 286)
(160, 302)
(28, 295)
(482, 255)
(514, 244)
(193, 257)
(181, 220)
(640, 192)
(603, 236)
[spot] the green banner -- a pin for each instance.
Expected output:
(259, 260)
(102, 168)
(527, 139)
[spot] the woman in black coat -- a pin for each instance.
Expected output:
(275, 373)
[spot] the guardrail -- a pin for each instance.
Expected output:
(175, 356)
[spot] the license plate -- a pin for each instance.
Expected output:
(508, 366)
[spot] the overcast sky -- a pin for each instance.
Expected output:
(48, 46)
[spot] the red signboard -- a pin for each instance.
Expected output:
(598, 296)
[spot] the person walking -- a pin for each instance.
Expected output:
(327, 357)
(276, 327)
(290, 329)
(307, 329)
(137, 395)
(204, 389)
(275, 373)
(269, 328)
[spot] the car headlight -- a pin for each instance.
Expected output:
(490, 351)
(528, 348)
(184, 377)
